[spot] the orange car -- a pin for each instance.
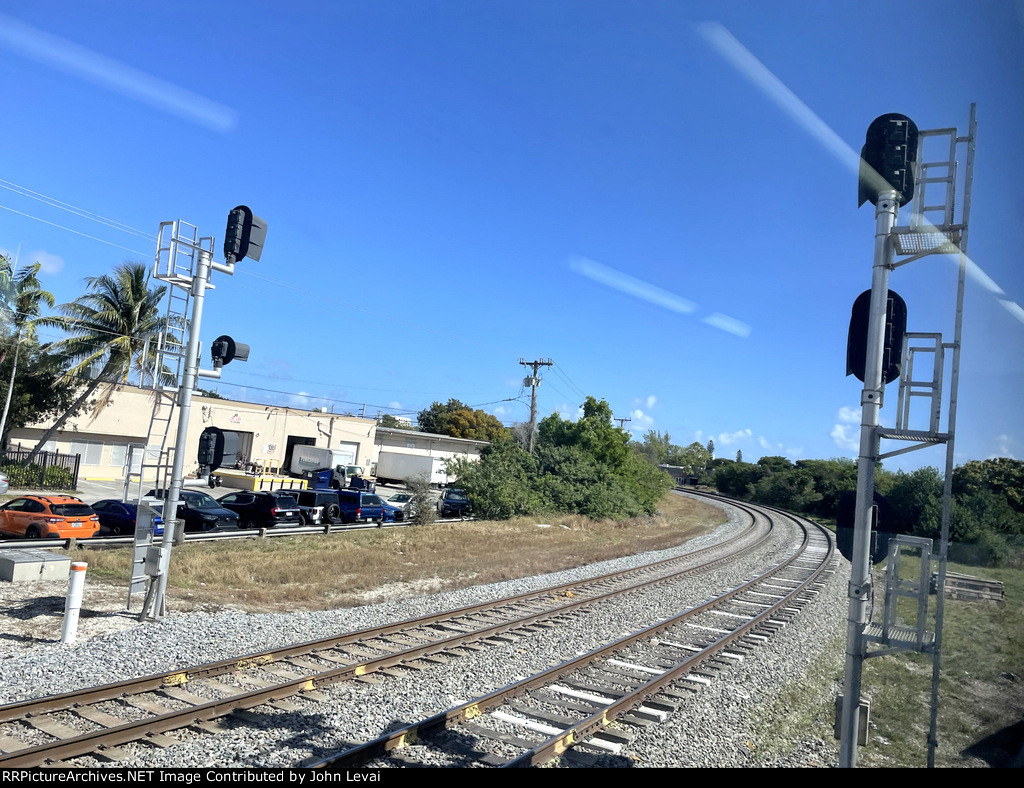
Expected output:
(48, 516)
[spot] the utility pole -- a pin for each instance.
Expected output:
(533, 381)
(622, 421)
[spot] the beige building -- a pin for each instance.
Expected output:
(268, 434)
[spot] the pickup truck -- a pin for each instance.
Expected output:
(358, 507)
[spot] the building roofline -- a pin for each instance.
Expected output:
(429, 435)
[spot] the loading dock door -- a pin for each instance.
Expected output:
(351, 452)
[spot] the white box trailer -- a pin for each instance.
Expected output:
(307, 459)
(398, 467)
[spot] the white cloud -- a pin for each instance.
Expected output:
(846, 437)
(849, 415)
(650, 401)
(570, 412)
(300, 399)
(49, 263)
(642, 420)
(844, 433)
(725, 438)
(763, 442)
(1004, 448)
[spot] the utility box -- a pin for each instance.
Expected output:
(863, 720)
(28, 565)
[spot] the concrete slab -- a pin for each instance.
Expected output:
(29, 564)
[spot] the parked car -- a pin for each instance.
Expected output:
(393, 513)
(359, 507)
(453, 503)
(48, 516)
(403, 501)
(5, 484)
(263, 509)
(200, 511)
(317, 506)
(118, 518)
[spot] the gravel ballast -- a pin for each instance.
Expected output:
(720, 725)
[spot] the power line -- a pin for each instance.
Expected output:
(564, 375)
(76, 232)
(53, 202)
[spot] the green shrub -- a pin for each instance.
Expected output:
(57, 478)
(37, 477)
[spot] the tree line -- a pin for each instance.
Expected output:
(987, 505)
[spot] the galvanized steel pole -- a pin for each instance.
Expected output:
(200, 280)
(859, 592)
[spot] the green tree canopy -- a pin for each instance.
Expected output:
(1000, 475)
(459, 420)
(392, 422)
(38, 392)
(108, 329)
(655, 447)
(21, 300)
(583, 467)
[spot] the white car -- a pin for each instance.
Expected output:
(400, 500)
(5, 484)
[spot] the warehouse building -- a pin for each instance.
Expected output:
(108, 436)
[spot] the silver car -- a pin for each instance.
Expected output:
(5, 484)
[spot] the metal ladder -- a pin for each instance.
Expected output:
(177, 246)
(933, 229)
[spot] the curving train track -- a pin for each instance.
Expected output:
(587, 703)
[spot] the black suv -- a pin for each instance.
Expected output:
(262, 509)
(318, 506)
(453, 503)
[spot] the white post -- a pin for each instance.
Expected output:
(73, 604)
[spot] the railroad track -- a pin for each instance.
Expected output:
(99, 721)
(590, 703)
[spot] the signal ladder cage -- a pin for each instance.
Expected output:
(163, 363)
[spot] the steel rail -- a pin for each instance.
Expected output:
(415, 732)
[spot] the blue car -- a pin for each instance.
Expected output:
(118, 518)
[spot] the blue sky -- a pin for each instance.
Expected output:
(453, 186)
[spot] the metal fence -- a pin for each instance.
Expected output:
(49, 470)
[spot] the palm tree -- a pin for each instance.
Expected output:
(21, 297)
(109, 328)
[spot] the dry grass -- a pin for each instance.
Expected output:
(319, 572)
